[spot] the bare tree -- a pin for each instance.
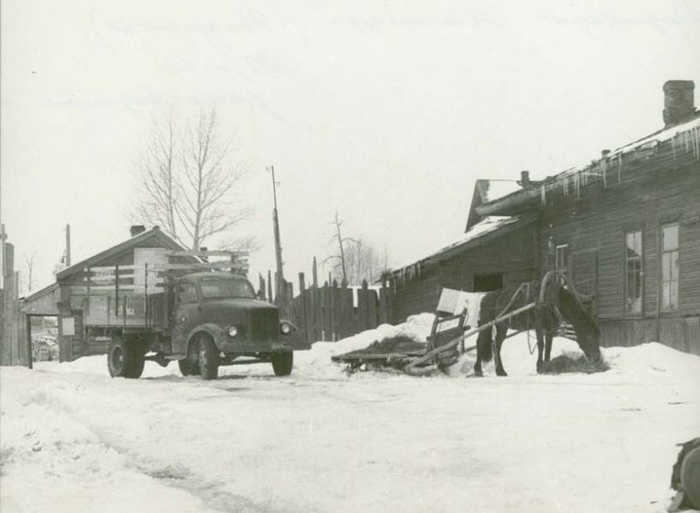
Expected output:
(356, 260)
(339, 258)
(29, 262)
(188, 184)
(158, 174)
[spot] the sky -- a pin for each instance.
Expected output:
(384, 111)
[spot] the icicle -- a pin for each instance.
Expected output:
(544, 196)
(604, 166)
(577, 185)
(673, 146)
(619, 168)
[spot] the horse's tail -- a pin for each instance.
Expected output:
(484, 343)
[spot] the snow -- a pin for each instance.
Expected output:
(75, 440)
(492, 190)
(487, 225)
(661, 136)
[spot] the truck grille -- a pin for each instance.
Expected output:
(264, 324)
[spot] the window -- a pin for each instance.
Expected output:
(488, 282)
(633, 272)
(669, 267)
(187, 293)
(561, 257)
(218, 287)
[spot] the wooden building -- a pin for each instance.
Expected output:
(626, 227)
(493, 252)
(96, 277)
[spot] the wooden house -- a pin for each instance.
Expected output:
(493, 252)
(625, 227)
(130, 268)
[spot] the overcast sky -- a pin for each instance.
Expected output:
(386, 111)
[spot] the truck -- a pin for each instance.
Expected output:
(204, 320)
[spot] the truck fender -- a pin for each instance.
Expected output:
(216, 332)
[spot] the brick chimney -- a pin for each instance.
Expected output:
(136, 229)
(679, 101)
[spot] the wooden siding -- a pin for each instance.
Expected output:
(664, 188)
(513, 254)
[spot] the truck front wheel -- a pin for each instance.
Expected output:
(208, 357)
(124, 360)
(282, 364)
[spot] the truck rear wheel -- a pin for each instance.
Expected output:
(124, 360)
(208, 357)
(282, 364)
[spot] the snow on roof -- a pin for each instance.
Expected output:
(661, 136)
(491, 190)
(488, 225)
(684, 135)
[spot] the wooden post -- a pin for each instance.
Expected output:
(302, 308)
(116, 290)
(261, 286)
(270, 297)
(363, 300)
(334, 310)
(30, 351)
(314, 271)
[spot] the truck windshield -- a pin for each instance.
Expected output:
(222, 288)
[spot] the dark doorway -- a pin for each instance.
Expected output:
(488, 282)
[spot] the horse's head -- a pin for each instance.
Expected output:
(587, 330)
(588, 338)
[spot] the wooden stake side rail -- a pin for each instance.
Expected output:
(454, 342)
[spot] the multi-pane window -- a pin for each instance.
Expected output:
(633, 272)
(561, 257)
(669, 267)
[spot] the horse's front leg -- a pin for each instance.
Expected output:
(548, 346)
(540, 349)
(482, 338)
(497, 343)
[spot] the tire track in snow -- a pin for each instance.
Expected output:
(179, 476)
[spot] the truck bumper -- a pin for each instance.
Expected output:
(273, 346)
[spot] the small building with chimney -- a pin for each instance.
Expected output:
(130, 267)
(624, 226)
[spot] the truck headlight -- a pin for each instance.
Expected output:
(232, 331)
(285, 328)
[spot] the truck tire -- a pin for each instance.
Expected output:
(690, 477)
(208, 358)
(187, 367)
(282, 363)
(124, 360)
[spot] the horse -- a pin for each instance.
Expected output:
(557, 300)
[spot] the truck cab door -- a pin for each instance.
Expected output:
(186, 314)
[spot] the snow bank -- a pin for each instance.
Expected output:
(519, 354)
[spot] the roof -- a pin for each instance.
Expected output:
(684, 137)
(485, 191)
(491, 227)
(41, 292)
(152, 235)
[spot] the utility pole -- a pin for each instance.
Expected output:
(279, 285)
(67, 245)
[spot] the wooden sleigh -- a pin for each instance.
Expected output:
(449, 333)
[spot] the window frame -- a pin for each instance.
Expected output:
(565, 268)
(625, 280)
(671, 308)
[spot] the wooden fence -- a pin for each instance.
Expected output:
(14, 348)
(333, 311)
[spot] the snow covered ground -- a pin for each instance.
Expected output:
(75, 440)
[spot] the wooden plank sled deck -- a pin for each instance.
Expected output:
(409, 361)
